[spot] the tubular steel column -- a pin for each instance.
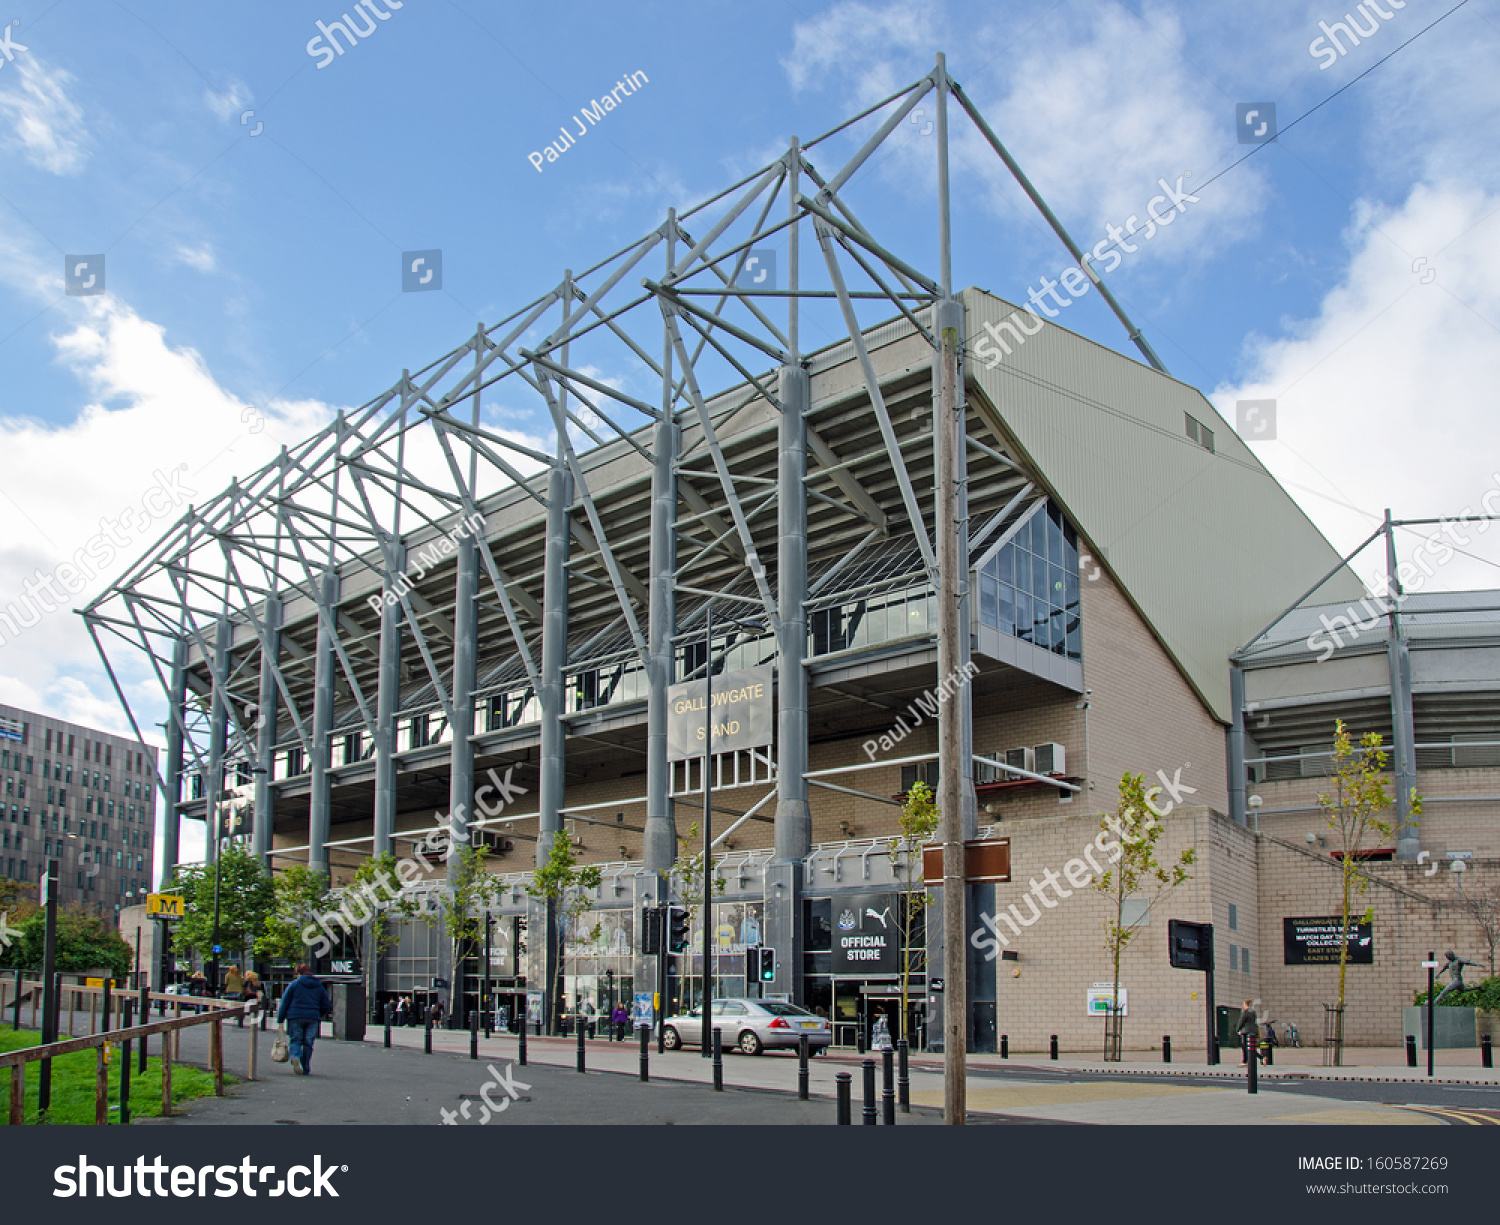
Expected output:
(319, 801)
(661, 828)
(465, 651)
(1237, 808)
(1403, 737)
(176, 699)
(217, 734)
(265, 732)
(793, 823)
(551, 787)
(387, 702)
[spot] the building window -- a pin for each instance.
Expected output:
(70, 744)
(48, 739)
(1244, 961)
(1199, 433)
(1234, 917)
(1234, 957)
(420, 730)
(1028, 587)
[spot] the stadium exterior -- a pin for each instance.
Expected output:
(423, 615)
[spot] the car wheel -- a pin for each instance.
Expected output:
(671, 1039)
(750, 1043)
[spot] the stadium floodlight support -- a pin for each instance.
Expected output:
(338, 567)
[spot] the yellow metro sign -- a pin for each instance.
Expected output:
(165, 905)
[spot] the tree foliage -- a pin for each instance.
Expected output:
(246, 897)
(378, 879)
(301, 899)
(565, 888)
(686, 873)
(1135, 872)
(84, 942)
(918, 822)
(1358, 794)
(1483, 907)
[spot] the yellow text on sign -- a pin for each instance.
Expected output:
(166, 905)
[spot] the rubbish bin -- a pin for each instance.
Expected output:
(348, 1011)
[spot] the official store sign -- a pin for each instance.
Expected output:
(866, 935)
(740, 714)
(1314, 941)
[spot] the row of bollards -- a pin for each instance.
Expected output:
(886, 1112)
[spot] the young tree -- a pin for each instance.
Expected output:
(377, 879)
(918, 822)
(246, 898)
(1134, 873)
(1358, 794)
(471, 890)
(565, 888)
(1484, 909)
(301, 900)
(687, 872)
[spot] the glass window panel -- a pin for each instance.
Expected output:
(989, 594)
(1075, 639)
(1070, 589)
(1041, 632)
(1040, 580)
(1007, 618)
(1004, 570)
(1054, 541)
(1056, 594)
(1023, 616)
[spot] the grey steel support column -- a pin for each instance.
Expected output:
(553, 782)
(661, 828)
(320, 799)
(1236, 734)
(265, 732)
(783, 902)
(465, 652)
(218, 728)
(1403, 736)
(387, 702)
(172, 816)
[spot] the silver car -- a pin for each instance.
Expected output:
(750, 1026)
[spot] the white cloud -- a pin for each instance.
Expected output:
(47, 125)
(200, 257)
(1384, 397)
(229, 102)
(877, 49)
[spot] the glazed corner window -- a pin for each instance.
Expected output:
(1028, 585)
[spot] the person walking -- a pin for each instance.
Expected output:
(403, 1008)
(303, 1007)
(234, 984)
(1248, 1031)
(620, 1019)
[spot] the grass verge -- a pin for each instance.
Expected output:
(73, 1084)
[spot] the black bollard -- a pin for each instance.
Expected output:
(128, 1013)
(1166, 1048)
(888, 1087)
(427, 1033)
(802, 1068)
(842, 1079)
(869, 1070)
(645, 1053)
(718, 1061)
(1268, 1053)
(1411, 1050)
(521, 1049)
(1252, 1059)
(903, 1078)
(145, 1010)
(859, 1039)
(265, 1012)
(1054, 1046)
(474, 1035)
(388, 1011)
(1004, 1046)
(1486, 1052)
(580, 1028)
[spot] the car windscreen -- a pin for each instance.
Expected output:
(778, 1009)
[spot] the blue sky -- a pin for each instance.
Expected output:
(1350, 270)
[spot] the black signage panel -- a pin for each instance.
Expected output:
(1314, 941)
(1190, 946)
(866, 935)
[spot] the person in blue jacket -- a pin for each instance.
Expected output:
(304, 1004)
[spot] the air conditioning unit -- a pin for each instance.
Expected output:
(1021, 759)
(1050, 759)
(984, 773)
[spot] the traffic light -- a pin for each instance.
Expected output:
(752, 963)
(677, 929)
(651, 930)
(767, 965)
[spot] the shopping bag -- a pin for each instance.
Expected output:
(279, 1052)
